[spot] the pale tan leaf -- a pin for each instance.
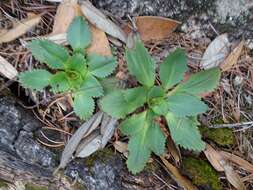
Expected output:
(98, 19)
(20, 28)
(7, 69)
(65, 13)
(100, 44)
(214, 157)
(237, 160)
(216, 52)
(232, 176)
(232, 58)
(181, 180)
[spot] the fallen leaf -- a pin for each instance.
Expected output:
(233, 177)
(232, 58)
(237, 160)
(214, 158)
(20, 28)
(7, 69)
(220, 163)
(121, 147)
(181, 180)
(100, 44)
(216, 52)
(65, 13)
(98, 19)
(89, 145)
(154, 27)
(74, 141)
(174, 150)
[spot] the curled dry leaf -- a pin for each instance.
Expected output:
(121, 147)
(221, 164)
(181, 180)
(74, 141)
(216, 52)
(65, 13)
(238, 160)
(7, 69)
(153, 27)
(232, 58)
(98, 19)
(20, 28)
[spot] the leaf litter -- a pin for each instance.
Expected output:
(184, 42)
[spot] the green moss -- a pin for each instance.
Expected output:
(3, 183)
(201, 173)
(221, 136)
(31, 186)
(103, 156)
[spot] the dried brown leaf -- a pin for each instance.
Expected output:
(20, 28)
(181, 180)
(238, 160)
(232, 58)
(7, 69)
(98, 19)
(65, 13)
(121, 147)
(155, 27)
(214, 158)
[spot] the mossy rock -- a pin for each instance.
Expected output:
(3, 184)
(201, 173)
(221, 136)
(31, 186)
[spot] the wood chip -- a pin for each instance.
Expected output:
(20, 28)
(181, 180)
(232, 58)
(7, 69)
(98, 19)
(216, 52)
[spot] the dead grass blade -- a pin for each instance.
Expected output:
(98, 19)
(232, 58)
(181, 180)
(20, 28)
(7, 69)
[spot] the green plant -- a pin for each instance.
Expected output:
(77, 73)
(179, 103)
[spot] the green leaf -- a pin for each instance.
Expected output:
(141, 64)
(50, 53)
(201, 82)
(142, 128)
(161, 108)
(119, 103)
(83, 105)
(182, 104)
(91, 86)
(110, 84)
(156, 92)
(77, 63)
(35, 79)
(173, 68)
(78, 34)
(59, 82)
(101, 66)
(184, 131)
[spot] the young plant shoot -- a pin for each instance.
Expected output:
(77, 73)
(178, 101)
